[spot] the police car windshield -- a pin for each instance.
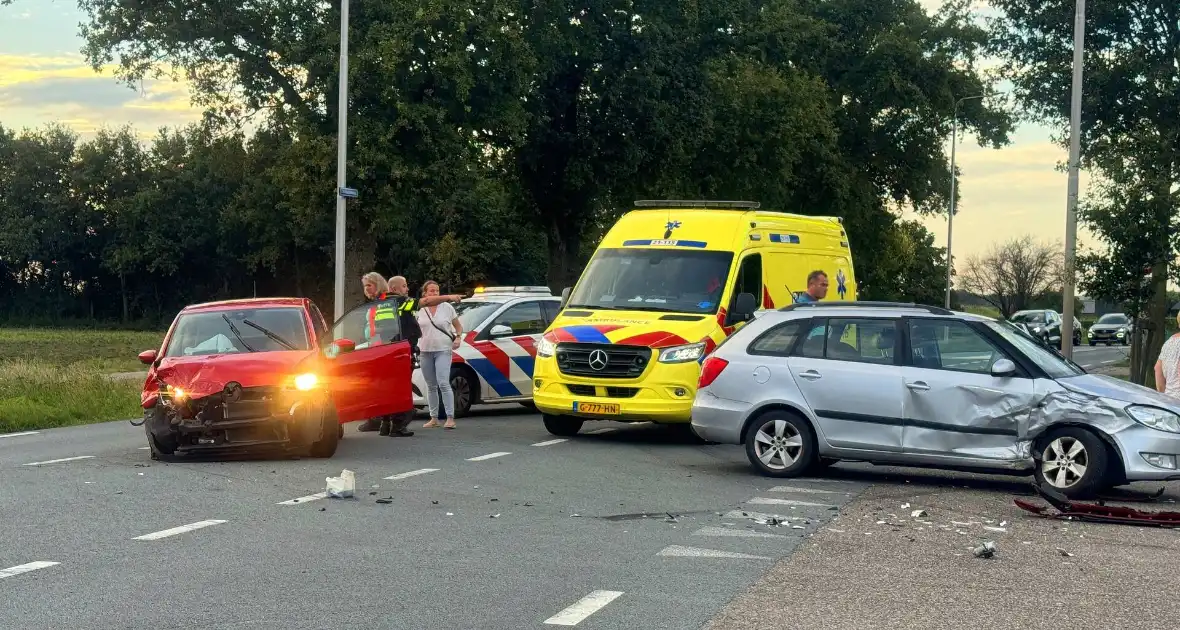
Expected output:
(237, 331)
(472, 313)
(662, 280)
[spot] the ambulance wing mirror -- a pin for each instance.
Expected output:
(743, 310)
(565, 297)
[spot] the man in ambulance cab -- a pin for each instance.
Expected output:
(817, 288)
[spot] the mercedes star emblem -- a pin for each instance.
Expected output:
(233, 391)
(598, 359)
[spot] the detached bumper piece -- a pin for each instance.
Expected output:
(1096, 512)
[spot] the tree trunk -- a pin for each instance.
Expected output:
(359, 258)
(1150, 330)
(564, 248)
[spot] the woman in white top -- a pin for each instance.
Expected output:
(441, 333)
(1167, 367)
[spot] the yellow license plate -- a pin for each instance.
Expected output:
(610, 409)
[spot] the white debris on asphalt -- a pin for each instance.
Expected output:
(986, 550)
(995, 529)
(918, 514)
(343, 486)
(1064, 553)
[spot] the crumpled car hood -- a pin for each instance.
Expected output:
(205, 375)
(1116, 389)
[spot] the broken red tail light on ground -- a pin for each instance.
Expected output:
(1096, 512)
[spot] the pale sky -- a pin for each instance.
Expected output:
(1005, 194)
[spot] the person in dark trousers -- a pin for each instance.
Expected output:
(404, 308)
(817, 287)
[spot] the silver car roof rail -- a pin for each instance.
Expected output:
(936, 310)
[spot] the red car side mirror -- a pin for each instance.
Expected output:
(147, 357)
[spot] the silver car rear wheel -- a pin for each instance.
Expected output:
(780, 444)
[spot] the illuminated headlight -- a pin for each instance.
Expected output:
(682, 354)
(177, 393)
(1037, 329)
(1121, 332)
(306, 382)
(546, 348)
(1155, 418)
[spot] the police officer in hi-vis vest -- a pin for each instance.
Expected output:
(405, 309)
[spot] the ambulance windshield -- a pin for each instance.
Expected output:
(662, 280)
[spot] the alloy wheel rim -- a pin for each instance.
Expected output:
(1064, 462)
(778, 444)
(462, 392)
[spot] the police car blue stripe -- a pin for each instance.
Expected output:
(526, 364)
(499, 382)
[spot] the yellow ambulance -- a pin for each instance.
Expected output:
(667, 284)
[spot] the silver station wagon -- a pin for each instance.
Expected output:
(911, 385)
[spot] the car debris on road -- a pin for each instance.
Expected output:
(1096, 512)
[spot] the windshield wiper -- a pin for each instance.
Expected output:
(277, 339)
(237, 333)
(600, 307)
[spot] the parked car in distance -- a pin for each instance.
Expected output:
(1112, 328)
(494, 362)
(812, 384)
(267, 373)
(1046, 325)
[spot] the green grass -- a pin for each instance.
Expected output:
(52, 378)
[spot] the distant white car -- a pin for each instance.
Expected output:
(494, 362)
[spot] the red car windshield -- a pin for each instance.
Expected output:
(239, 331)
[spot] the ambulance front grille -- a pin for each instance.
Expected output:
(574, 359)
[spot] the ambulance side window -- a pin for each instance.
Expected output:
(749, 280)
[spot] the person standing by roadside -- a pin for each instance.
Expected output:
(1167, 367)
(441, 334)
(817, 288)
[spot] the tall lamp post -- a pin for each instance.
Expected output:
(950, 219)
(341, 159)
(1075, 156)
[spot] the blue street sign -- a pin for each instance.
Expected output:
(348, 192)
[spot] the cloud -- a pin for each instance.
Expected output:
(36, 89)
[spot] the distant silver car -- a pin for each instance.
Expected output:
(812, 384)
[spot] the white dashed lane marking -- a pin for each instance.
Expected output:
(588, 605)
(178, 530)
(307, 499)
(789, 502)
(25, 568)
(678, 551)
(804, 490)
(487, 457)
(600, 431)
(414, 473)
(551, 442)
(737, 533)
(23, 433)
(58, 461)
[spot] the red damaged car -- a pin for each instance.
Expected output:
(268, 373)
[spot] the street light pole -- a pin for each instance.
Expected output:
(1075, 156)
(950, 219)
(341, 159)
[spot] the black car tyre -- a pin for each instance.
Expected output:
(1093, 343)
(1072, 461)
(781, 444)
(563, 426)
(329, 436)
(462, 387)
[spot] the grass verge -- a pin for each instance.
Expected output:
(53, 378)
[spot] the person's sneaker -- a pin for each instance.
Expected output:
(369, 425)
(385, 427)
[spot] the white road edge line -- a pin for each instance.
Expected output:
(601, 431)
(412, 473)
(25, 568)
(764, 501)
(311, 497)
(486, 457)
(739, 533)
(583, 608)
(552, 442)
(178, 530)
(8, 435)
(58, 461)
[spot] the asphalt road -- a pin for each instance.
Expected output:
(501, 526)
(1091, 357)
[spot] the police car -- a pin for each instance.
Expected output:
(494, 362)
